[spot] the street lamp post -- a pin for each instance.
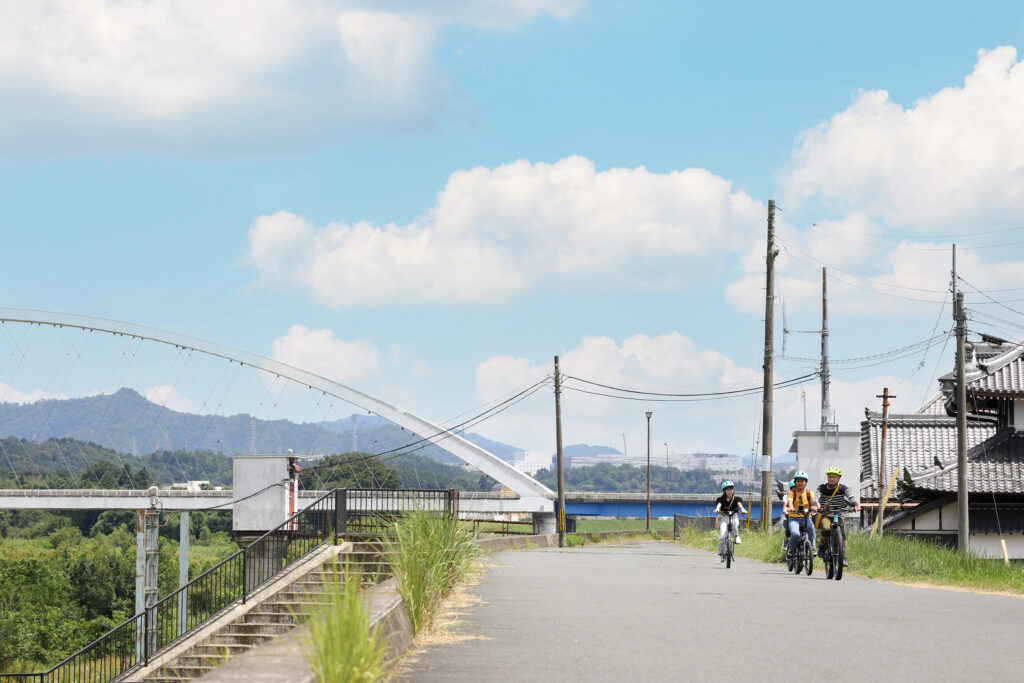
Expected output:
(648, 414)
(666, 458)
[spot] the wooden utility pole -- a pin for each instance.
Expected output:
(648, 414)
(964, 532)
(769, 351)
(879, 523)
(558, 456)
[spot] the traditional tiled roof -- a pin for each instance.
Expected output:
(935, 405)
(991, 373)
(912, 441)
(994, 466)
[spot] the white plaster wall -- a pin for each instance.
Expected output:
(928, 521)
(987, 545)
(1018, 414)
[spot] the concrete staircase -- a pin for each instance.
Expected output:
(271, 611)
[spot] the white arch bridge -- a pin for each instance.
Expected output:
(529, 494)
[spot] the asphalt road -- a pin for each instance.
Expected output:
(658, 611)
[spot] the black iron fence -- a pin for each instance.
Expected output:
(339, 514)
(370, 513)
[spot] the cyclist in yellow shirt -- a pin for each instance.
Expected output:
(799, 504)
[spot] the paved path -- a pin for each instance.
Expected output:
(654, 611)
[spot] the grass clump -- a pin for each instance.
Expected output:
(639, 524)
(890, 558)
(898, 558)
(429, 554)
(340, 644)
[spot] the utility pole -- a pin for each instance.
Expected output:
(826, 409)
(882, 478)
(964, 532)
(769, 351)
(558, 455)
(648, 414)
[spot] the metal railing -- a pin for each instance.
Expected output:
(338, 514)
(369, 513)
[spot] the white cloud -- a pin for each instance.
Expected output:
(669, 363)
(168, 396)
(9, 394)
(233, 73)
(495, 233)
(319, 351)
(955, 156)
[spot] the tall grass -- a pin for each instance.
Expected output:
(339, 644)
(891, 558)
(429, 554)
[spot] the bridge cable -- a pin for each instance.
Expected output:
(21, 360)
(424, 442)
(77, 357)
(113, 392)
(44, 419)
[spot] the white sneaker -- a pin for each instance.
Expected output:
(718, 559)
(738, 541)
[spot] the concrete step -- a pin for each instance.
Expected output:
(175, 673)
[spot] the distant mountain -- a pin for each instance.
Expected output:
(583, 450)
(128, 423)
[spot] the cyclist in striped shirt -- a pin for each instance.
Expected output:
(834, 498)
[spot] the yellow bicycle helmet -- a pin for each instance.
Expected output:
(833, 469)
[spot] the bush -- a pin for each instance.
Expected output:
(429, 554)
(340, 644)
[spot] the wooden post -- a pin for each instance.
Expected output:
(885, 396)
(769, 352)
(560, 521)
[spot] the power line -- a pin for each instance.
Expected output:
(679, 398)
(1013, 310)
(925, 343)
(424, 442)
(818, 262)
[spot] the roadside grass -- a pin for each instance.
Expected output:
(622, 524)
(339, 644)
(578, 539)
(890, 558)
(429, 555)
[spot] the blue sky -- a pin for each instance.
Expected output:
(442, 199)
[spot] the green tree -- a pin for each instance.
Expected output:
(355, 470)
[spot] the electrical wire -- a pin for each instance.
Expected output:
(984, 294)
(818, 262)
(653, 398)
(916, 346)
(694, 395)
(439, 436)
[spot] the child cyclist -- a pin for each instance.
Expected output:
(785, 520)
(728, 502)
(835, 498)
(799, 504)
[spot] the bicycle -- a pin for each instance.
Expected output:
(730, 542)
(803, 559)
(834, 550)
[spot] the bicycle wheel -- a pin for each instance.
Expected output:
(829, 566)
(728, 552)
(809, 556)
(839, 553)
